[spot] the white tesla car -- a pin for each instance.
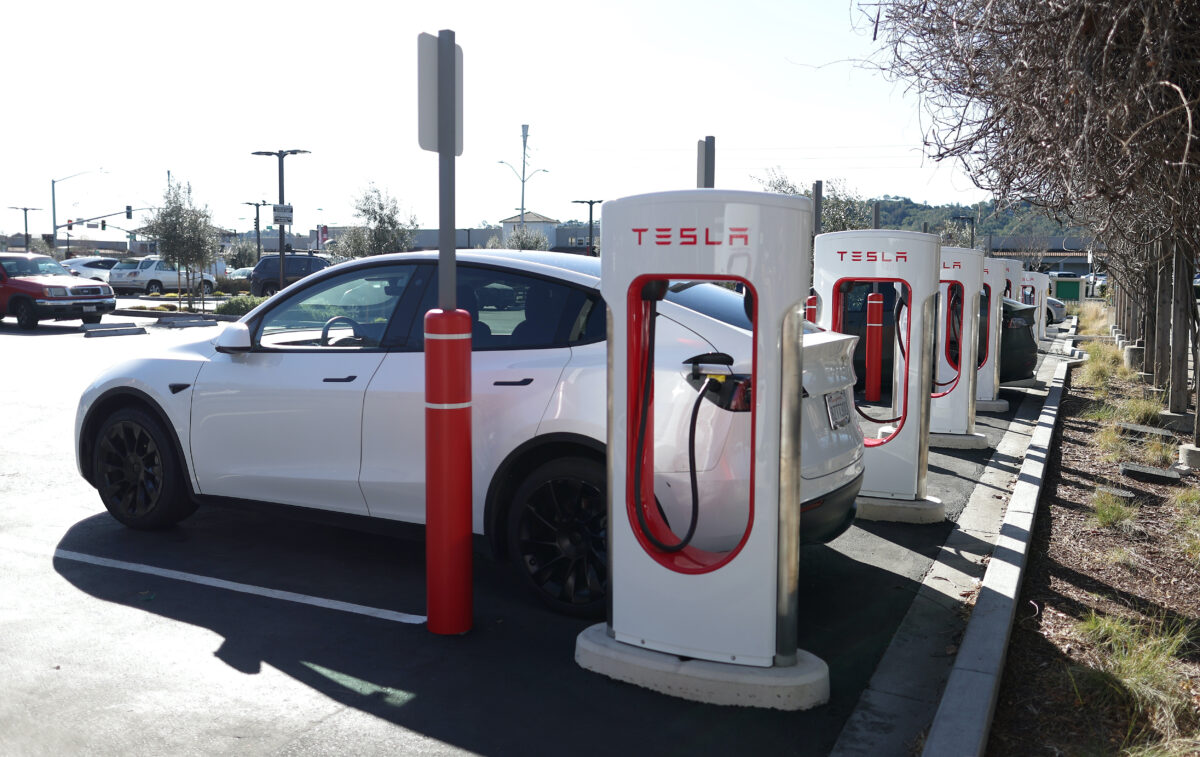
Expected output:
(315, 400)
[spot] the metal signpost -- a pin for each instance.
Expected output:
(447, 355)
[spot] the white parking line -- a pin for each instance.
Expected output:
(217, 583)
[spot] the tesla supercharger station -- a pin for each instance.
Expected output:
(1012, 279)
(718, 627)
(1034, 290)
(987, 389)
(902, 266)
(952, 404)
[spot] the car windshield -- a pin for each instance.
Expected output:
(41, 266)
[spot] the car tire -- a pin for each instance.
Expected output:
(154, 287)
(136, 471)
(92, 318)
(269, 290)
(206, 287)
(558, 535)
(26, 314)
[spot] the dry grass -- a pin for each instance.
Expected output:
(1136, 668)
(1159, 454)
(1105, 363)
(1112, 512)
(1145, 412)
(1093, 319)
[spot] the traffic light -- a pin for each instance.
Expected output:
(70, 224)
(103, 224)
(129, 212)
(256, 223)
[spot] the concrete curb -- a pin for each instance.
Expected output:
(964, 717)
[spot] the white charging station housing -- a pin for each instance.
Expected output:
(736, 610)
(987, 389)
(952, 405)
(906, 263)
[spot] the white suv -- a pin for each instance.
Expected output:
(315, 399)
(90, 268)
(153, 275)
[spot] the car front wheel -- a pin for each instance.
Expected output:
(558, 535)
(269, 290)
(137, 473)
(26, 315)
(206, 287)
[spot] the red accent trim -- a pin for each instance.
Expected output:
(987, 328)
(946, 342)
(448, 474)
(689, 560)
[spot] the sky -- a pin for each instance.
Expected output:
(111, 99)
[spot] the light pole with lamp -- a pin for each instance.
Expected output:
(26, 211)
(522, 175)
(53, 207)
(257, 226)
(590, 203)
(281, 154)
(971, 221)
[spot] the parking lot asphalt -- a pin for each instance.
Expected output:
(223, 636)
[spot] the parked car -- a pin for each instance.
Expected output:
(1018, 345)
(264, 278)
(1056, 310)
(36, 288)
(153, 275)
(315, 399)
(90, 268)
(241, 273)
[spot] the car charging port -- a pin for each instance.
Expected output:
(728, 391)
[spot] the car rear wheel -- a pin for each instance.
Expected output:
(269, 289)
(26, 315)
(558, 535)
(154, 287)
(206, 287)
(137, 473)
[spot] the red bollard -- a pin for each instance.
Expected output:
(448, 471)
(810, 309)
(874, 346)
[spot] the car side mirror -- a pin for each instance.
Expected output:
(74, 273)
(234, 339)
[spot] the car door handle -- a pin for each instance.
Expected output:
(344, 380)
(521, 382)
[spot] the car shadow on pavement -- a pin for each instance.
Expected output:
(510, 685)
(47, 329)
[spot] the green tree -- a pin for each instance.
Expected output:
(185, 233)
(383, 231)
(524, 238)
(243, 254)
(842, 209)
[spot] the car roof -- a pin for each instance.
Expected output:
(23, 255)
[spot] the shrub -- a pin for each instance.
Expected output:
(239, 305)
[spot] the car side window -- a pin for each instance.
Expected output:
(165, 266)
(146, 264)
(511, 311)
(350, 312)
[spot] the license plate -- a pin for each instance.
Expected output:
(89, 308)
(839, 409)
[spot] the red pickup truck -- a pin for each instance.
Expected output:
(35, 288)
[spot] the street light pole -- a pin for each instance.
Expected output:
(590, 203)
(26, 211)
(522, 176)
(281, 154)
(53, 207)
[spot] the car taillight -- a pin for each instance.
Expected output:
(1017, 322)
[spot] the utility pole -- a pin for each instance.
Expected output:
(281, 154)
(522, 175)
(591, 247)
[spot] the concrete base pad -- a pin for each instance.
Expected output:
(928, 510)
(991, 406)
(1189, 455)
(1018, 384)
(797, 687)
(958, 441)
